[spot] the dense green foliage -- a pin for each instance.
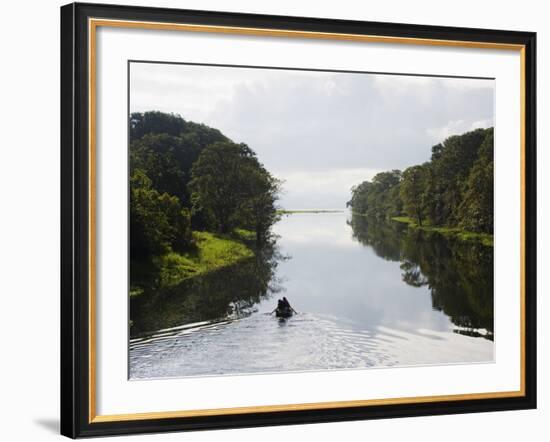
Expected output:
(412, 192)
(453, 189)
(232, 189)
(165, 147)
(158, 223)
(475, 211)
(380, 197)
(187, 178)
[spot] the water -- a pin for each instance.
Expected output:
(367, 295)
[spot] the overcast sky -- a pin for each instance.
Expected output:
(320, 132)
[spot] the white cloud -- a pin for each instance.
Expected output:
(457, 127)
(318, 129)
(328, 189)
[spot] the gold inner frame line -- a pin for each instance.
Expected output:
(300, 34)
(93, 24)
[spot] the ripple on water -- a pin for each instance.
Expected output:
(261, 343)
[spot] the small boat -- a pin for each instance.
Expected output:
(284, 312)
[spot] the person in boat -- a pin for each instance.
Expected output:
(287, 305)
(283, 308)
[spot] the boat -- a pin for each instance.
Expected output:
(283, 312)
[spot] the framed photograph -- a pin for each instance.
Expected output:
(274, 220)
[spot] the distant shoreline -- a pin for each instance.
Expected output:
(290, 212)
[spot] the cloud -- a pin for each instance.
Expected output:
(317, 129)
(329, 189)
(458, 127)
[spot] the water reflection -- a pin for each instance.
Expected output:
(368, 295)
(459, 275)
(231, 292)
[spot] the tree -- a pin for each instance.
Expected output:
(454, 189)
(155, 122)
(258, 209)
(451, 162)
(158, 223)
(476, 208)
(155, 155)
(165, 146)
(359, 198)
(234, 190)
(378, 198)
(412, 192)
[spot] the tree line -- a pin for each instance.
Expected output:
(454, 188)
(186, 176)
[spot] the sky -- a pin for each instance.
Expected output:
(320, 132)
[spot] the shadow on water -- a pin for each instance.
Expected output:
(228, 293)
(458, 274)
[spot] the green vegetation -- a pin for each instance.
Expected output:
(451, 194)
(232, 189)
(244, 235)
(456, 232)
(197, 201)
(211, 253)
(158, 223)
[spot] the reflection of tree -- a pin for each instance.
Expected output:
(459, 274)
(412, 274)
(382, 237)
(229, 291)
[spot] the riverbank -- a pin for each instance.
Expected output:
(211, 252)
(452, 232)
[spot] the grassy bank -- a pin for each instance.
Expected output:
(211, 252)
(455, 232)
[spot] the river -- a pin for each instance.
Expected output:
(367, 295)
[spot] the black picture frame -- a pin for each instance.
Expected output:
(75, 221)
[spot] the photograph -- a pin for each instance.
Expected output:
(290, 220)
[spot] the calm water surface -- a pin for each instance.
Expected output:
(368, 295)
